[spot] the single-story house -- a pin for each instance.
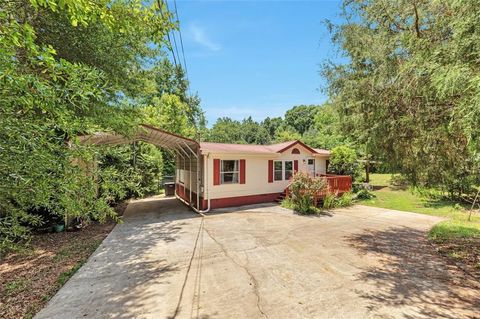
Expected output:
(214, 175)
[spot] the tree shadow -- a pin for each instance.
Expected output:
(122, 278)
(409, 276)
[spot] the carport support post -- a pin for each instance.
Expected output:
(190, 178)
(198, 181)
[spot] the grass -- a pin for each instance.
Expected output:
(405, 200)
(15, 287)
(455, 237)
(66, 275)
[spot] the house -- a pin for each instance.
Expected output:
(215, 175)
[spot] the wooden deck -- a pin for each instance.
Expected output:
(336, 184)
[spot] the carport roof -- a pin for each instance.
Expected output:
(187, 146)
(146, 133)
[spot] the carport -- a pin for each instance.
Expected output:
(186, 152)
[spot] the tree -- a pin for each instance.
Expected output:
(326, 130)
(284, 134)
(253, 132)
(343, 161)
(47, 100)
(225, 130)
(272, 125)
(410, 89)
(301, 117)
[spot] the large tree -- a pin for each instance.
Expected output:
(49, 94)
(410, 89)
(301, 117)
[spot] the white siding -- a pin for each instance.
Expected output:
(256, 173)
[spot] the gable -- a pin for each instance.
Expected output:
(297, 148)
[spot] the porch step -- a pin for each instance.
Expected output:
(280, 197)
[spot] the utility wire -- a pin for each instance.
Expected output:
(181, 40)
(160, 5)
(174, 37)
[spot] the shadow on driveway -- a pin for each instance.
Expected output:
(410, 273)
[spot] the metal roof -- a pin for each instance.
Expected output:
(186, 146)
(206, 147)
(149, 134)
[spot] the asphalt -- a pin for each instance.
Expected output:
(263, 261)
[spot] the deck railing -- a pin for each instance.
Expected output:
(336, 184)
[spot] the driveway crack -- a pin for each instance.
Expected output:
(245, 268)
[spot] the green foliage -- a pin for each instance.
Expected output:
(301, 117)
(454, 229)
(410, 89)
(331, 200)
(226, 130)
(303, 205)
(58, 81)
(326, 130)
(66, 275)
(284, 134)
(317, 126)
(364, 194)
(288, 203)
(343, 161)
(120, 178)
(303, 190)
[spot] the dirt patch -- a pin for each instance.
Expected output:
(463, 252)
(28, 279)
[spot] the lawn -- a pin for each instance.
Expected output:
(455, 236)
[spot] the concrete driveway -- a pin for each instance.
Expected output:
(263, 261)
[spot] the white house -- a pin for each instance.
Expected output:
(214, 175)
(239, 174)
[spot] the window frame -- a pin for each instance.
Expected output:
(290, 170)
(234, 172)
(181, 176)
(276, 170)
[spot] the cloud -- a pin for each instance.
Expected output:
(200, 36)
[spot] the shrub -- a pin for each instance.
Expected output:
(332, 201)
(329, 201)
(303, 190)
(345, 200)
(287, 203)
(343, 161)
(364, 194)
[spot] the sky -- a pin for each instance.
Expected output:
(256, 58)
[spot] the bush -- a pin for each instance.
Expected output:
(332, 201)
(363, 194)
(343, 161)
(303, 191)
(287, 203)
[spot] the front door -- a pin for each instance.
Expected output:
(311, 167)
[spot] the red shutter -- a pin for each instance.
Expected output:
(295, 166)
(270, 171)
(242, 171)
(216, 171)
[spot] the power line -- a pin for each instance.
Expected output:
(173, 35)
(160, 5)
(181, 40)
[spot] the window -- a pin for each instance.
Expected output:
(288, 169)
(229, 172)
(277, 170)
(181, 175)
(295, 151)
